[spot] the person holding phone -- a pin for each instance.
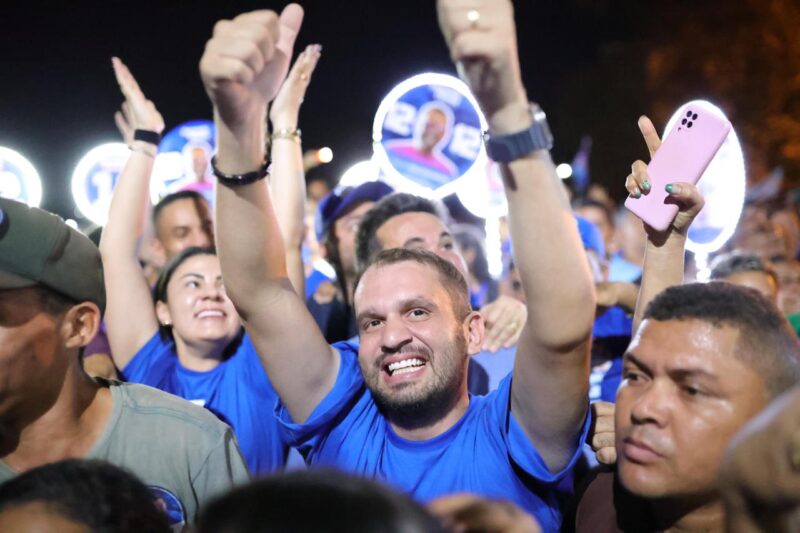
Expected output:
(704, 359)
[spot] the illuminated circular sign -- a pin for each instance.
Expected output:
(184, 160)
(18, 178)
(722, 186)
(359, 173)
(427, 135)
(483, 193)
(94, 178)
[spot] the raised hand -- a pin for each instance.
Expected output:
(286, 107)
(137, 111)
(504, 320)
(483, 43)
(246, 60)
(685, 195)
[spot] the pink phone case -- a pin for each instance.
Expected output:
(683, 157)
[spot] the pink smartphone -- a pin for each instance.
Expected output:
(684, 155)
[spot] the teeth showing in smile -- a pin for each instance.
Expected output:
(210, 314)
(405, 366)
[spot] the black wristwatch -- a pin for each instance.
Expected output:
(507, 148)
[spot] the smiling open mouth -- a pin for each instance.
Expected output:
(405, 366)
(211, 313)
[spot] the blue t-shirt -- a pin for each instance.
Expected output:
(486, 452)
(497, 364)
(237, 391)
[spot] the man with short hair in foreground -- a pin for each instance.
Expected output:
(399, 409)
(51, 300)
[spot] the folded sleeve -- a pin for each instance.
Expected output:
(349, 387)
(521, 450)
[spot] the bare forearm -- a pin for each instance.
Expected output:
(249, 239)
(547, 247)
(128, 209)
(288, 193)
(662, 268)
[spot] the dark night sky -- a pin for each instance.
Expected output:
(58, 94)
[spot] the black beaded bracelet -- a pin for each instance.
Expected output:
(147, 136)
(239, 179)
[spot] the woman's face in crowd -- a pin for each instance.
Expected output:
(197, 307)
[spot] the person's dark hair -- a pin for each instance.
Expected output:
(591, 202)
(324, 501)
(451, 278)
(99, 495)
(470, 238)
(195, 196)
(766, 342)
(367, 242)
(160, 290)
(331, 242)
(726, 265)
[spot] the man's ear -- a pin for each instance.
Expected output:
(475, 329)
(80, 325)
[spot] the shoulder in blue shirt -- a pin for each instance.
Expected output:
(238, 391)
(486, 452)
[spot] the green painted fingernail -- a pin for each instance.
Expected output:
(637, 194)
(668, 188)
(646, 185)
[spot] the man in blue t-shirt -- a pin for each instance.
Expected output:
(407, 417)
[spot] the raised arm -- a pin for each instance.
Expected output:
(130, 316)
(663, 257)
(288, 183)
(549, 395)
(242, 68)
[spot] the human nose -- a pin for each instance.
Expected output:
(394, 335)
(651, 405)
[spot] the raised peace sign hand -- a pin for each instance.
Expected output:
(137, 111)
(246, 60)
(685, 195)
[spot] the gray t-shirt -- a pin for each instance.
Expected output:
(181, 451)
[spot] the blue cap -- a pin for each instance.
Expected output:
(590, 236)
(336, 204)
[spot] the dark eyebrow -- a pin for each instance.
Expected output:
(410, 303)
(418, 301)
(192, 275)
(677, 374)
(628, 356)
(682, 374)
(413, 240)
(367, 313)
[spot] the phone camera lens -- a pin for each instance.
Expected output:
(689, 113)
(689, 125)
(694, 117)
(683, 122)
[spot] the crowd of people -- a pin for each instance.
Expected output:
(193, 372)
